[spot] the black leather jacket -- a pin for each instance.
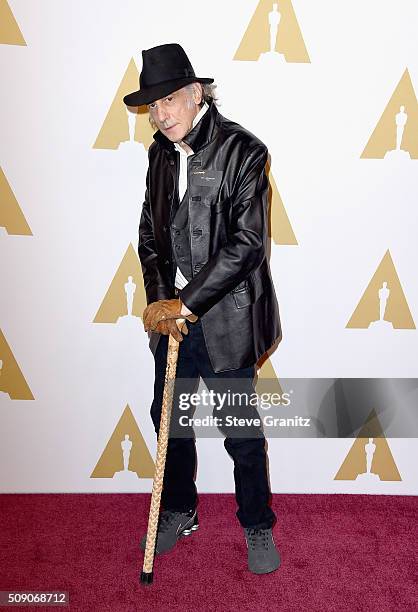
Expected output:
(231, 290)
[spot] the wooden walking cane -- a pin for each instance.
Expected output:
(170, 377)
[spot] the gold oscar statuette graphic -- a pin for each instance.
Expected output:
(125, 127)
(273, 35)
(12, 382)
(369, 459)
(10, 33)
(280, 229)
(126, 456)
(396, 133)
(11, 215)
(383, 304)
(125, 299)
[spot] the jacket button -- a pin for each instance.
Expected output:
(171, 162)
(166, 262)
(165, 228)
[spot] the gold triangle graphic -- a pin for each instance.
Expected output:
(381, 459)
(289, 40)
(267, 379)
(115, 302)
(383, 303)
(10, 33)
(138, 456)
(280, 229)
(12, 381)
(383, 140)
(11, 215)
(115, 128)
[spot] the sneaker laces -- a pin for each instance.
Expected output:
(258, 538)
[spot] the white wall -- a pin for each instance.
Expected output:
(83, 206)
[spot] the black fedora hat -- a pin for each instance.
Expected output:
(165, 69)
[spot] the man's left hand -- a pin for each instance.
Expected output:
(163, 310)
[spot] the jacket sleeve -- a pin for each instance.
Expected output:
(245, 249)
(155, 286)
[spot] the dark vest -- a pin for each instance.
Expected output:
(180, 237)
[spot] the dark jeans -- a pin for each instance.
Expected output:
(250, 472)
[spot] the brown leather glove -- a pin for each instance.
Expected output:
(170, 326)
(164, 310)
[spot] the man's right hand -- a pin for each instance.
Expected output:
(164, 310)
(169, 326)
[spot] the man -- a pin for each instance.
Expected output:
(202, 245)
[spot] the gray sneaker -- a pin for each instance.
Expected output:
(172, 526)
(263, 556)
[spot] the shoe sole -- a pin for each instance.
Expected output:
(189, 531)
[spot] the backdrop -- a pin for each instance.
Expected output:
(330, 88)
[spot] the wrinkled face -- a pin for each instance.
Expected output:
(174, 114)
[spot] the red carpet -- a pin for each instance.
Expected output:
(339, 552)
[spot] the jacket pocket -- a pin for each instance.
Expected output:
(242, 298)
(242, 295)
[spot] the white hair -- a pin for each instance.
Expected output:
(208, 92)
